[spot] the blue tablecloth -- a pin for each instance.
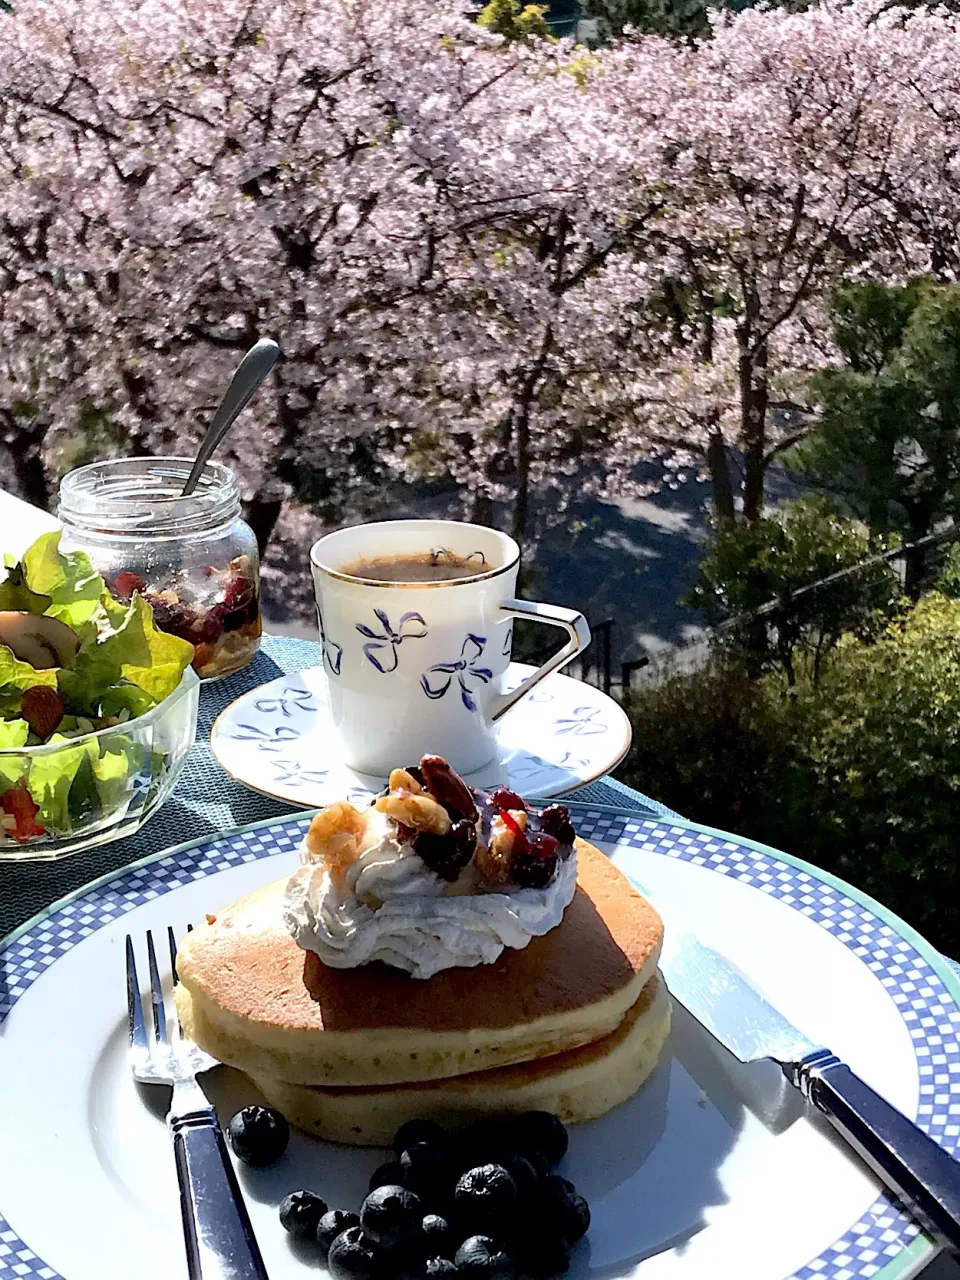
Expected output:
(206, 800)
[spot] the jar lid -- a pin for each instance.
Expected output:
(143, 496)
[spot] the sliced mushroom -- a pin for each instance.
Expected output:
(43, 642)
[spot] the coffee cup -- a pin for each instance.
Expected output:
(417, 667)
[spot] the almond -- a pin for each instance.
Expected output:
(42, 708)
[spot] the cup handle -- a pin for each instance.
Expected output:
(569, 620)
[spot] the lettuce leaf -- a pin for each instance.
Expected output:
(126, 697)
(13, 734)
(68, 579)
(124, 663)
(16, 595)
(116, 768)
(51, 777)
(126, 649)
(15, 676)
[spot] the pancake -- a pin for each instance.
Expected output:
(579, 1084)
(252, 998)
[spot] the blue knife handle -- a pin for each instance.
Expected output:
(914, 1167)
(216, 1227)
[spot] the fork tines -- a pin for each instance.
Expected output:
(137, 1025)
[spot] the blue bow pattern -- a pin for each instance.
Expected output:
(582, 723)
(381, 649)
(275, 738)
(464, 669)
(292, 774)
(332, 652)
(293, 698)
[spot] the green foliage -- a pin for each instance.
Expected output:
(688, 19)
(515, 21)
(889, 438)
(762, 574)
(859, 774)
(948, 583)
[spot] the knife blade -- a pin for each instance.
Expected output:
(914, 1167)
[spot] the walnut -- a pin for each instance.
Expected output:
(420, 811)
(502, 836)
(493, 863)
(400, 780)
(335, 836)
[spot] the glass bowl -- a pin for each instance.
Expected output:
(99, 786)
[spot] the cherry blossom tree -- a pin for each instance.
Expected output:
(483, 260)
(397, 197)
(808, 149)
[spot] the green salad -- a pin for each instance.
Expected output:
(72, 661)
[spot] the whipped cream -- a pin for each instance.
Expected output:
(392, 907)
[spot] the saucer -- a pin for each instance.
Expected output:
(280, 740)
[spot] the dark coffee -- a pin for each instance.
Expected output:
(431, 566)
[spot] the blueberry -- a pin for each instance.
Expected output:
(353, 1257)
(424, 1167)
(541, 1254)
(480, 1258)
(332, 1224)
(440, 1269)
(437, 1236)
(524, 1171)
(391, 1216)
(481, 1142)
(300, 1214)
(388, 1174)
(541, 1132)
(564, 1207)
(419, 1131)
(486, 1195)
(258, 1135)
(447, 855)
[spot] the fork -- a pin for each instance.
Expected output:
(216, 1226)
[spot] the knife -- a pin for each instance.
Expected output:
(914, 1167)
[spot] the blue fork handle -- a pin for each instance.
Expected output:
(917, 1170)
(216, 1227)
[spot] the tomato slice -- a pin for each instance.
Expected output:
(20, 805)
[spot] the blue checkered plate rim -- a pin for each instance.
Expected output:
(884, 1244)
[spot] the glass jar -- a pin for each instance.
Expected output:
(193, 559)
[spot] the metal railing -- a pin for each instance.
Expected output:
(595, 664)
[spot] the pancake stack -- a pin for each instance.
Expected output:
(572, 1024)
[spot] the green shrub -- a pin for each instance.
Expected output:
(763, 576)
(859, 774)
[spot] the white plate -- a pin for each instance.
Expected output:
(279, 739)
(713, 1170)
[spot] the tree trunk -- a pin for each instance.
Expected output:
(262, 514)
(521, 435)
(521, 499)
(480, 508)
(29, 474)
(719, 464)
(753, 427)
